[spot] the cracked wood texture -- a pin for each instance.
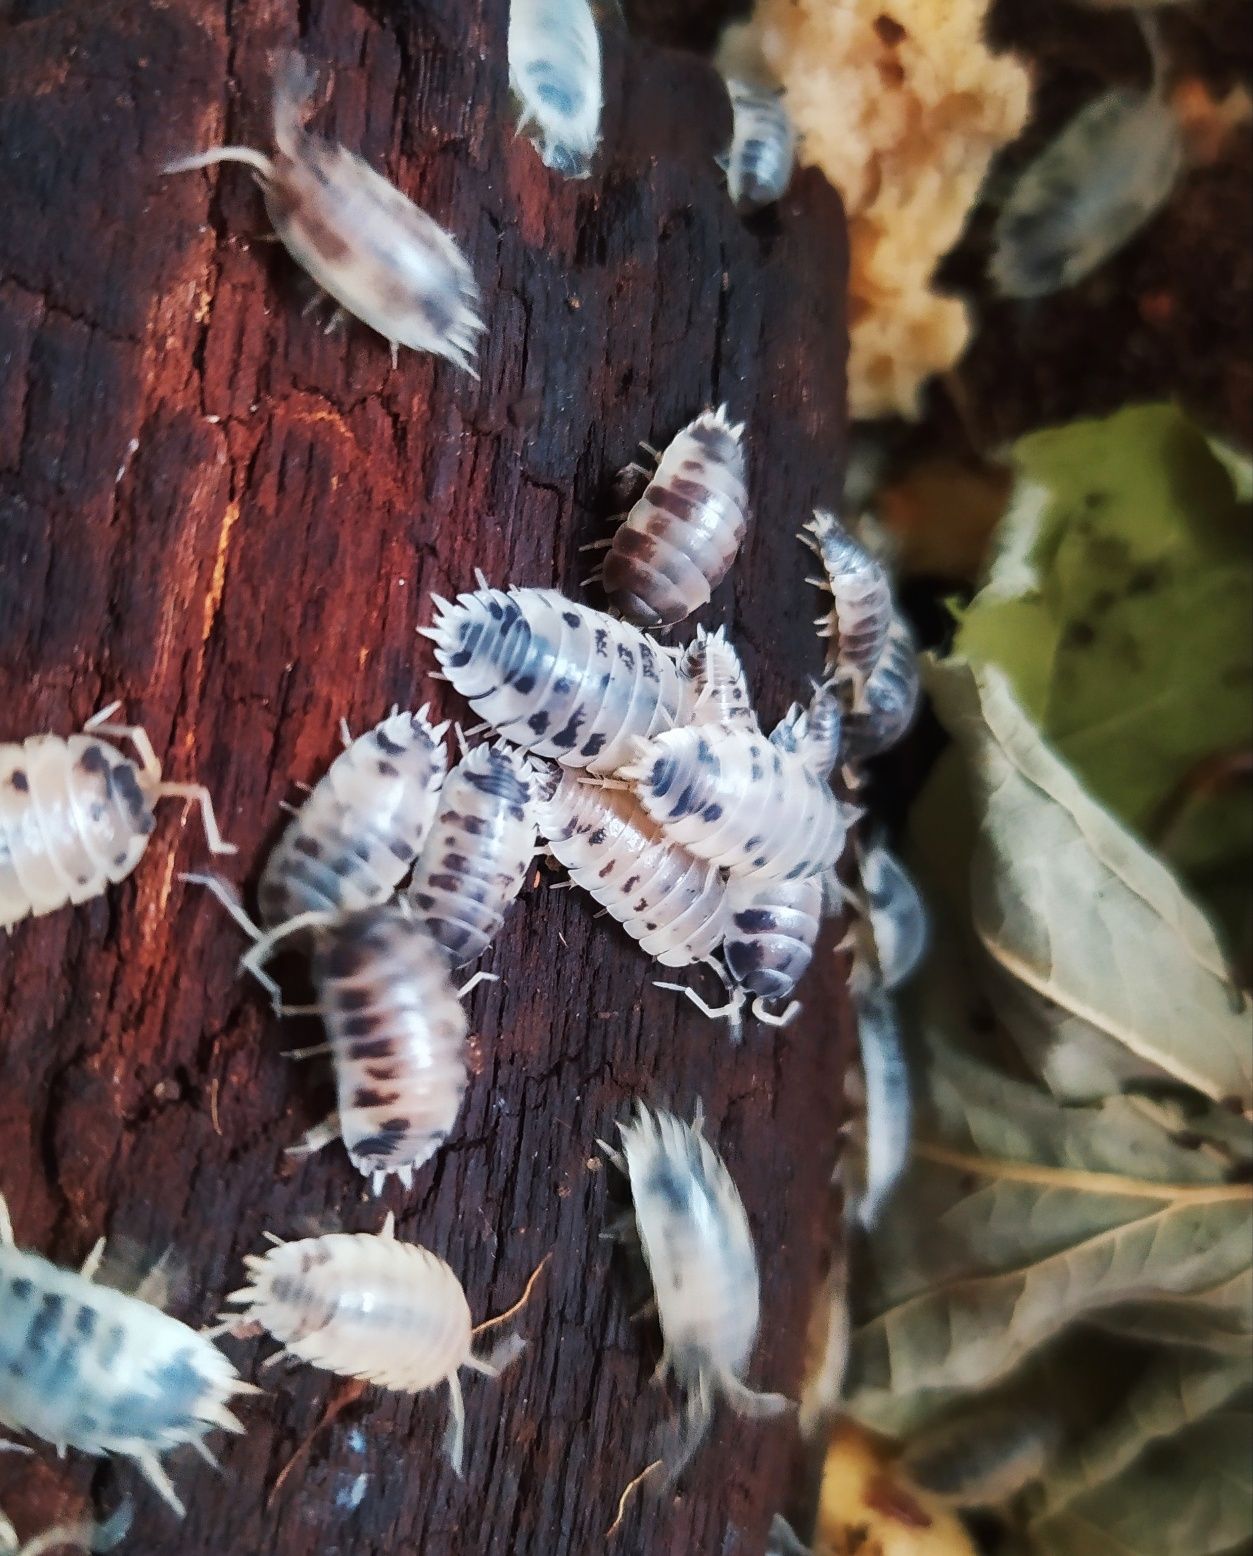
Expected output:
(231, 521)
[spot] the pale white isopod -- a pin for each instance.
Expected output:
(889, 699)
(475, 861)
(396, 1030)
(381, 257)
(894, 911)
(673, 905)
(1091, 190)
(762, 154)
(696, 1241)
(365, 1305)
(555, 71)
(862, 608)
(76, 814)
(84, 1366)
(889, 1109)
(557, 677)
(712, 664)
(733, 797)
(677, 542)
(356, 836)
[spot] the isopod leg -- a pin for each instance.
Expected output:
(730, 1012)
(772, 1018)
(455, 1436)
(317, 1138)
(92, 1262)
(6, 1227)
(198, 793)
(473, 983)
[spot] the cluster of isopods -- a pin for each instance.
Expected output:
(641, 766)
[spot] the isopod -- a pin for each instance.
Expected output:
(710, 662)
(696, 1241)
(396, 1030)
(762, 154)
(862, 608)
(889, 1111)
(557, 677)
(555, 70)
(895, 913)
(675, 545)
(76, 814)
(84, 1366)
(733, 797)
(365, 1305)
(889, 698)
(382, 259)
(358, 833)
(673, 905)
(476, 858)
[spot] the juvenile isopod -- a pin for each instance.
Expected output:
(555, 71)
(356, 836)
(697, 1245)
(894, 911)
(365, 1305)
(84, 1366)
(557, 677)
(377, 254)
(475, 861)
(674, 547)
(862, 608)
(762, 154)
(395, 1026)
(889, 699)
(735, 798)
(712, 664)
(76, 814)
(673, 905)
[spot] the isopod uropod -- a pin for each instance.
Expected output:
(76, 814)
(84, 1366)
(862, 608)
(365, 1305)
(475, 861)
(380, 257)
(673, 905)
(555, 70)
(396, 1030)
(731, 796)
(696, 1241)
(762, 154)
(675, 545)
(557, 677)
(356, 836)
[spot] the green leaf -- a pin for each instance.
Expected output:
(1120, 605)
(1073, 908)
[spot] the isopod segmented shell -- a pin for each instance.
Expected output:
(675, 545)
(762, 154)
(895, 912)
(76, 815)
(862, 608)
(699, 1250)
(356, 836)
(889, 699)
(889, 1111)
(557, 677)
(555, 70)
(735, 798)
(384, 260)
(475, 861)
(673, 905)
(84, 1366)
(366, 1305)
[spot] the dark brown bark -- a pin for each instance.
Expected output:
(213, 511)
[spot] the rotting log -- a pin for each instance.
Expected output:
(215, 512)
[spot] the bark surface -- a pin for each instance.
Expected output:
(231, 521)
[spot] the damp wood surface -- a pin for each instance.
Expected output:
(232, 522)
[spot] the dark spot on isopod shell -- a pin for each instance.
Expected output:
(367, 1097)
(19, 781)
(380, 1145)
(358, 1026)
(388, 769)
(596, 838)
(310, 847)
(385, 743)
(85, 1321)
(754, 921)
(20, 1287)
(538, 723)
(44, 1320)
(671, 1186)
(711, 813)
(401, 849)
(568, 737)
(571, 619)
(93, 760)
(593, 745)
(126, 785)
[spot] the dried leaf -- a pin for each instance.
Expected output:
(1073, 907)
